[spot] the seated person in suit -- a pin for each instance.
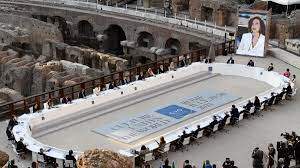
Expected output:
(250, 63)
(248, 106)
(141, 76)
(195, 133)
(161, 69)
(270, 67)
(289, 89)
(222, 122)
(256, 103)
(279, 96)
(12, 122)
(64, 100)
(230, 61)
(70, 156)
(69, 100)
(20, 147)
(141, 158)
(82, 93)
(180, 140)
(125, 81)
(271, 100)
(235, 115)
(41, 153)
(209, 129)
(111, 86)
(182, 61)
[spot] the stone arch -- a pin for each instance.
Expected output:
(85, 29)
(114, 35)
(174, 45)
(145, 39)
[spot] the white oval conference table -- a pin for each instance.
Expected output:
(27, 122)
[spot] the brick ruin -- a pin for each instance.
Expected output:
(34, 59)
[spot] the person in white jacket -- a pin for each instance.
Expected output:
(253, 43)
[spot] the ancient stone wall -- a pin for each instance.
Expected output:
(39, 31)
(220, 12)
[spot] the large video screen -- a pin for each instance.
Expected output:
(252, 32)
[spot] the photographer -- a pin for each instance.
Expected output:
(257, 156)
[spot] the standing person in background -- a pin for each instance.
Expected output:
(257, 156)
(186, 164)
(227, 163)
(271, 154)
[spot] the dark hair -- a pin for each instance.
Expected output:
(34, 165)
(167, 162)
(262, 29)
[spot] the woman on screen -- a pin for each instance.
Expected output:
(253, 43)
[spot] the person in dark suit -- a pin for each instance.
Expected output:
(179, 143)
(222, 122)
(161, 69)
(250, 63)
(256, 103)
(64, 100)
(141, 76)
(270, 67)
(111, 86)
(166, 165)
(271, 100)
(125, 81)
(257, 156)
(70, 156)
(235, 115)
(82, 93)
(289, 89)
(248, 106)
(20, 147)
(230, 61)
(12, 122)
(209, 129)
(195, 133)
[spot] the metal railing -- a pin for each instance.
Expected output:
(22, 106)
